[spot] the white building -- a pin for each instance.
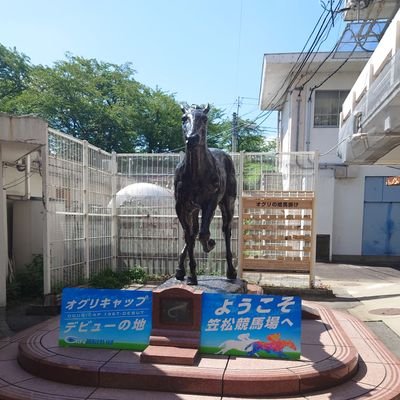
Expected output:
(23, 148)
(358, 208)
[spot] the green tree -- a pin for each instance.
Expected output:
(250, 135)
(102, 103)
(91, 100)
(160, 125)
(14, 74)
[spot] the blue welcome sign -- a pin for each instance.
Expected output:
(251, 325)
(106, 318)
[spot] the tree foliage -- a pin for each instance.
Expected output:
(160, 128)
(103, 103)
(14, 73)
(249, 135)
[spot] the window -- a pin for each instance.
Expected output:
(328, 104)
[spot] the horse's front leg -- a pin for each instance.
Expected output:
(207, 214)
(184, 219)
(189, 224)
(227, 211)
(180, 271)
(192, 279)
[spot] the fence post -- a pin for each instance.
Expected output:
(181, 239)
(85, 204)
(46, 223)
(114, 221)
(240, 217)
(3, 238)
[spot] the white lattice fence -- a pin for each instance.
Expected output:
(79, 220)
(90, 226)
(149, 234)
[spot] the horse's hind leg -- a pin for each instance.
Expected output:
(227, 207)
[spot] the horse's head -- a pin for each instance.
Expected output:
(194, 125)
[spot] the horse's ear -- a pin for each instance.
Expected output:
(207, 109)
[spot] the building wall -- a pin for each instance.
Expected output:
(286, 128)
(325, 205)
(325, 139)
(340, 198)
(349, 211)
(28, 220)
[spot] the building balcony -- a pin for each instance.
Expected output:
(370, 119)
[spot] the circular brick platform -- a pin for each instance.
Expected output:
(329, 358)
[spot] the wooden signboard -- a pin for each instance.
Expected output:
(277, 233)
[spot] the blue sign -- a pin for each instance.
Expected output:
(106, 318)
(251, 325)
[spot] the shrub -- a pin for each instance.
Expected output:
(27, 284)
(109, 279)
(137, 275)
(106, 279)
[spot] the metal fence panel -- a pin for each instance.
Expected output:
(149, 233)
(78, 192)
(99, 211)
(93, 225)
(65, 210)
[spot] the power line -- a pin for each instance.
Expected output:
(293, 75)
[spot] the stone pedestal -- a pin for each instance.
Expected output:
(175, 335)
(212, 284)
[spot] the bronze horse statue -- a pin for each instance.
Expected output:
(204, 179)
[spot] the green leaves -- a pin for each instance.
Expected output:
(14, 72)
(103, 103)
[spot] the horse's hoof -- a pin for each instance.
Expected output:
(192, 280)
(180, 275)
(231, 275)
(211, 244)
(208, 246)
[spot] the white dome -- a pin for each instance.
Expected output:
(141, 191)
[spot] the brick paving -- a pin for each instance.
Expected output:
(341, 359)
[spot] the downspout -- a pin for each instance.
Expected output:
(308, 130)
(279, 133)
(298, 101)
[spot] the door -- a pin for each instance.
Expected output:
(381, 226)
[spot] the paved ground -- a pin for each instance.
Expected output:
(372, 294)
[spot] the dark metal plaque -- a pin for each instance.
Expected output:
(176, 311)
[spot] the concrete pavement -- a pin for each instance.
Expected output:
(371, 294)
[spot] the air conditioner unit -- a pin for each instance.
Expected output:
(346, 171)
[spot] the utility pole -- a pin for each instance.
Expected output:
(234, 133)
(235, 128)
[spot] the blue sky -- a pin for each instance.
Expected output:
(205, 51)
